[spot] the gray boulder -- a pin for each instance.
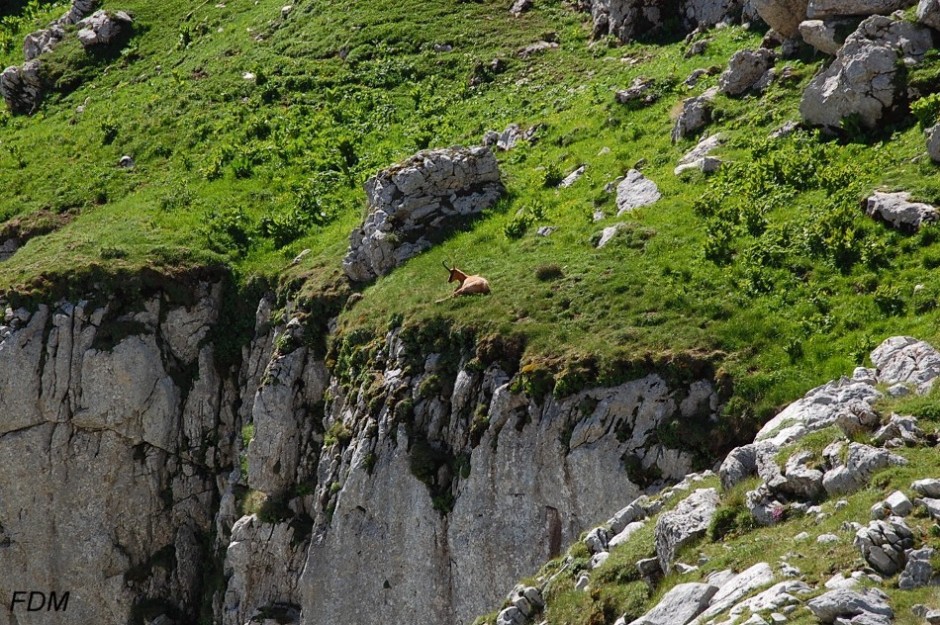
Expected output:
(852, 473)
(683, 525)
(928, 13)
(784, 16)
(695, 115)
(897, 210)
(906, 360)
(831, 8)
(884, 543)
(680, 605)
(409, 203)
(829, 34)
(844, 602)
(801, 480)
(78, 10)
(933, 143)
(8, 248)
(738, 588)
(520, 6)
(899, 431)
(103, 27)
(927, 487)
(634, 191)
(699, 157)
(745, 70)
(22, 88)
(42, 41)
(918, 572)
(639, 93)
(863, 79)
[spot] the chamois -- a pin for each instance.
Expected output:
(469, 285)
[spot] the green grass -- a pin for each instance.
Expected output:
(766, 276)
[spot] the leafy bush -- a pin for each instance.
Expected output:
(927, 110)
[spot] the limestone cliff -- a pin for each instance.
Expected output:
(413, 473)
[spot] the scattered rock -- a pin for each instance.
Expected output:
(693, 78)
(640, 93)
(697, 48)
(573, 177)
(687, 522)
(608, 233)
(520, 6)
(860, 463)
(535, 48)
(596, 540)
(927, 487)
(126, 162)
(42, 41)
(784, 16)
(22, 88)
(103, 27)
(863, 80)
(412, 202)
(933, 143)
(286, 10)
(918, 572)
(699, 157)
(737, 588)
(827, 539)
(828, 35)
(625, 534)
(634, 191)
(899, 504)
(745, 70)
(883, 544)
(843, 602)
(898, 211)
(679, 606)
(545, 231)
(8, 248)
(899, 431)
(933, 617)
(695, 115)
(508, 138)
(906, 360)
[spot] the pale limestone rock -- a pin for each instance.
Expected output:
(933, 143)
(784, 16)
(827, 35)
(860, 463)
(927, 487)
(829, 8)
(687, 522)
(745, 69)
(22, 87)
(905, 360)
(840, 602)
(928, 13)
(635, 191)
(884, 544)
(898, 211)
(862, 80)
(103, 27)
(918, 572)
(679, 606)
(736, 589)
(695, 115)
(410, 202)
(699, 157)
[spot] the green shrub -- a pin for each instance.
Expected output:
(927, 110)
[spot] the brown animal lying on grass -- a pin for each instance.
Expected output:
(469, 285)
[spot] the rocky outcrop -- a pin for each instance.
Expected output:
(933, 143)
(103, 27)
(928, 13)
(22, 87)
(845, 603)
(414, 202)
(699, 158)
(906, 360)
(635, 191)
(45, 40)
(629, 19)
(897, 210)
(680, 605)
(862, 81)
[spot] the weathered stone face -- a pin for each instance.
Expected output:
(22, 88)
(415, 201)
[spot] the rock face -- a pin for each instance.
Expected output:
(928, 13)
(629, 19)
(687, 522)
(414, 201)
(862, 79)
(22, 88)
(745, 70)
(897, 210)
(699, 158)
(96, 430)
(634, 191)
(933, 143)
(849, 603)
(784, 16)
(103, 27)
(906, 360)
(42, 41)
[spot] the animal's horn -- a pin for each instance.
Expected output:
(445, 266)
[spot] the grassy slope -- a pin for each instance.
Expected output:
(248, 173)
